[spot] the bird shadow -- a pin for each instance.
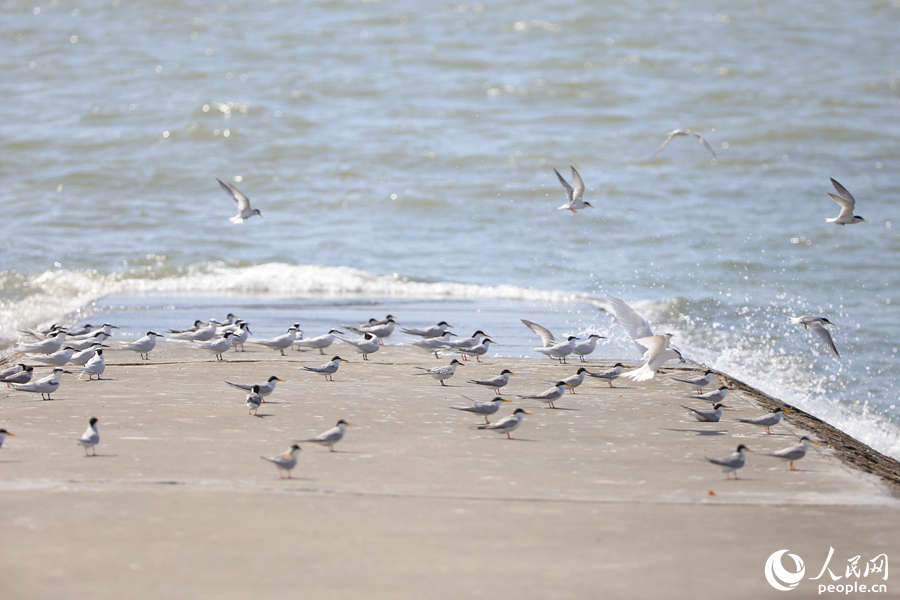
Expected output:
(263, 416)
(702, 432)
(101, 456)
(515, 439)
(559, 408)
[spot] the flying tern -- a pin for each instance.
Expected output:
(817, 324)
(332, 436)
(847, 203)
(574, 192)
(468, 342)
(685, 131)
(658, 352)
(285, 462)
(243, 204)
(378, 329)
(507, 424)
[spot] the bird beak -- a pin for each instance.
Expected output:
(344, 360)
(279, 379)
(505, 400)
(725, 406)
(588, 372)
(749, 450)
(786, 410)
(350, 425)
(527, 413)
(14, 435)
(810, 441)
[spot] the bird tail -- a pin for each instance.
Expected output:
(640, 374)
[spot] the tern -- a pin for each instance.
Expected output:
(434, 344)
(684, 131)
(714, 397)
(467, 342)
(95, 366)
(482, 408)
(90, 438)
(433, 331)
(378, 329)
(320, 342)
(848, 203)
(332, 436)
(710, 416)
(81, 358)
(281, 342)
(83, 330)
(547, 338)
(253, 400)
(610, 375)
(817, 324)
(495, 383)
(734, 461)
(574, 194)
(3, 434)
(285, 462)
(698, 382)
(549, 396)
(20, 373)
(365, 345)
(202, 334)
(507, 424)
(105, 329)
(218, 346)
(584, 348)
(98, 337)
(573, 381)
(144, 345)
(243, 204)
(58, 358)
(634, 324)
(241, 335)
(329, 368)
(768, 420)
(44, 386)
(197, 325)
(794, 452)
(559, 351)
(46, 346)
(658, 352)
(442, 373)
(477, 350)
(264, 389)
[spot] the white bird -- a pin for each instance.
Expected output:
(734, 461)
(817, 324)
(264, 389)
(329, 368)
(794, 452)
(240, 335)
(83, 330)
(243, 204)
(365, 345)
(467, 342)
(847, 203)
(584, 348)
(551, 395)
(3, 434)
(478, 350)
(95, 366)
(705, 415)
(285, 462)
(507, 424)
(90, 438)
(144, 345)
(230, 319)
(320, 342)
(574, 194)
(573, 381)
(610, 375)
(377, 328)
(768, 420)
(280, 342)
(57, 359)
(547, 338)
(20, 373)
(98, 337)
(201, 334)
(105, 329)
(197, 325)
(685, 131)
(443, 372)
(698, 382)
(332, 436)
(559, 351)
(495, 383)
(634, 324)
(218, 346)
(81, 358)
(46, 346)
(658, 352)
(432, 331)
(433, 344)
(482, 408)
(44, 386)
(714, 396)
(253, 400)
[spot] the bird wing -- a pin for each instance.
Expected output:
(666, 143)
(578, 184)
(565, 184)
(633, 324)
(846, 208)
(704, 142)
(546, 337)
(844, 194)
(823, 334)
(243, 203)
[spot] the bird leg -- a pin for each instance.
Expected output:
(486, 421)
(793, 468)
(331, 448)
(767, 431)
(610, 383)
(509, 437)
(442, 382)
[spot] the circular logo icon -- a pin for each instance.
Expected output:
(778, 577)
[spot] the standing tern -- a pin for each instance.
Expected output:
(495, 383)
(98, 337)
(144, 345)
(817, 324)
(610, 375)
(547, 338)
(794, 452)
(847, 203)
(241, 335)
(698, 382)
(684, 131)
(573, 381)
(202, 334)
(434, 344)
(378, 329)
(242, 202)
(433, 331)
(442, 373)
(57, 359)
(320, 342)
(584, 348)
(477, 350)
(280, 342)
(264, 389)
(710, 416)
(3, 434)
(332, 436)
(468, 342)
(285, 462)
(507, 424)
(768, 420)
(105, 329)
(713, 397)
(559, 351)
(365, 345)
(81, 358)
(574, 194)
(329, 368)
(21, 373)
(482, 408)
(46, 346)
(734, 461)
(95, 366)
(549, 396)
(90, 438)
(253, 400)
(83, 330)
(218, 346)
(44, 386)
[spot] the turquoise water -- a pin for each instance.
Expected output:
(404, 153)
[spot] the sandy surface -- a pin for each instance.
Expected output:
(607, 496)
